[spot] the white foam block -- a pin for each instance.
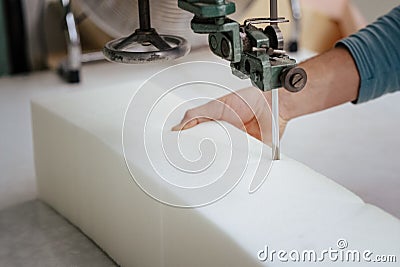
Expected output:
(83, 174)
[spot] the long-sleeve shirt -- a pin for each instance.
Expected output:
(376, 52)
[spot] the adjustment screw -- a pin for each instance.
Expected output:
(294, 79)
(213, 42)
(225, 48)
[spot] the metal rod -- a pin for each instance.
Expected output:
(296, 15)
(275, 99)
(144, 14)
(275, 126)
(273, 9)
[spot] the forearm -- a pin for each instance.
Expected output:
(375, 50)
(333, 79)
(364, 66)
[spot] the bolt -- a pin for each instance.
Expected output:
(219, 21)
(294, 79)
(225, 49)
(297, 80)
(213, 42)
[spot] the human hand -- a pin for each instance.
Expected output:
(247, 109)
(333, 79)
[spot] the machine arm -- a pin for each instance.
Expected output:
(255, 53)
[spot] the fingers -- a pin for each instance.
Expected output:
(213, 110)
(236, 108)
(183, 125)
(246, 109)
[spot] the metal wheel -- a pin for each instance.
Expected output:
(130, 49)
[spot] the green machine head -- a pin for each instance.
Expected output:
(255, 53)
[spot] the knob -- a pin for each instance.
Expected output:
(294, 79)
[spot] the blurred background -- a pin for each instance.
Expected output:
(32, 31)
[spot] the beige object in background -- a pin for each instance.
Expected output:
(325, 22)
(92, 37)
(319, 33)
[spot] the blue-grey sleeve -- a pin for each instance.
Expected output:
(376, 52)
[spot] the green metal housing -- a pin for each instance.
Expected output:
(247, 47)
